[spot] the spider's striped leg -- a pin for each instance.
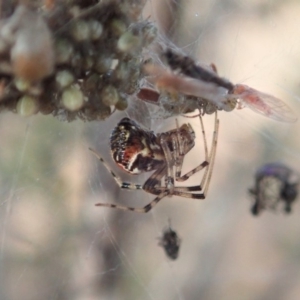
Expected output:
(192, 172)
(179, 154)
(192, 188)
(208, 172)
(144, 209)
(185, 191)
(204, 164)
(199, 196)
(153, 186)
(153, 183)
(169, 179)
(120, 183)
(204, 137)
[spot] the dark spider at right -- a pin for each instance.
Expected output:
(274, 183)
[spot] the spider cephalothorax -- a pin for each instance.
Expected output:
(136, 150)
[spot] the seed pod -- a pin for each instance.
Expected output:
(122, 104)
(27, 106)
(64, 78)
(63, 51)
(103, 64)
(21, 84)
(118, 27)
(110, 95)
(72, 98)
(32, 54)
(96, 29)
(128, 42)
(81, 31)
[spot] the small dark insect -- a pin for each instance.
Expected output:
(274, 183)
(170, 241)
(136, 150)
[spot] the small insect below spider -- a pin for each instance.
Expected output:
(274, 183)
(170, 241)
(136, 150)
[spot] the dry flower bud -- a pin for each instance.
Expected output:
(32, 54)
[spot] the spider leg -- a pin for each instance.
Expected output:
(193, 188)
(144, 209)
(169, 179)
(153, 183)
(208, 172)
(179, 154)
(204, 164)
(209, 163)
(200, 196)
(204, 137)
(192, 172)
(153, 186)
(120, 183)
(186, 191)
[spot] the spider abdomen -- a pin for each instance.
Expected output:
(134, 149)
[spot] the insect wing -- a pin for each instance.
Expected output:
(264, 104)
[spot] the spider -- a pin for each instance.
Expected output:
(170, 241)
(274, 183)
(136, 150)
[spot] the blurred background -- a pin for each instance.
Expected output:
(55, 244)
